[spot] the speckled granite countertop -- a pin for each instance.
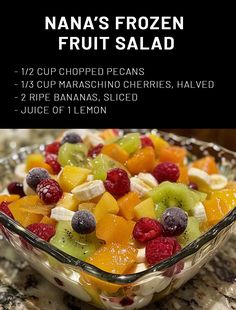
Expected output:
(22, 288)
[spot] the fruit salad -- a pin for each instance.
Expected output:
(120, 202)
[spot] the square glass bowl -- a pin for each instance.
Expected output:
(112, 291)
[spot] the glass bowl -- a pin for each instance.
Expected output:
(111, 291)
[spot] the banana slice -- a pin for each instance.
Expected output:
(27, 189)
(200, 177)
(139, 186)
(89, 190)
(61, 214)
(139, 267)
(20, 172)
(90, 177)
(141, 255)
(199, 212)
(218, 181)
(148, 178)
(93, 139)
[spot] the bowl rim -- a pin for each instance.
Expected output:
(65, 258)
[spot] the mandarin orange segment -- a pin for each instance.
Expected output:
(215, 209)
(26, 201)
(30, 218)
(48, 220)
(183, 178)
(113, 228)
(207, 164)
(25, 218)
(107, 204)
(157, 162)
(114, 257)
(9, 198)
(231, 185)
(131, 225)
(116, 152)
(29, 210)
(127, 203)
(228, 195)
(142, 161)
(37, 209)
(102, 285)
(174, 154)
(30, 204)
(37, 160)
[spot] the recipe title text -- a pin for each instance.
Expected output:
(142, 29)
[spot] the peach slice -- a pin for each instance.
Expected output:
(142, 161)
(29, 209)
(114, 228)
(127, 203)
(9, 198)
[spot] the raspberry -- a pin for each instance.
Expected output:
(94, 151)
(147, 229)
(49, 191)
(43, 231)
(4, 208)
(177, 268)
(166, 171)
(146, 141)
(53, 148)
(16, 188)
(160, 248)
(117, 182)
(170, 272)
(51, 160)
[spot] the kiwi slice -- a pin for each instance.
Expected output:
(70, 242)
(159, 209)
(173, 195)
(130, 142)
(73, 154)
(115, 139)
(199, 196)
(101, 164)
(191, 233)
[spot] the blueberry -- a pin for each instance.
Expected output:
(83, 222)
(71, 137)
(16, 188)
(35, 176)
(174, 221)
